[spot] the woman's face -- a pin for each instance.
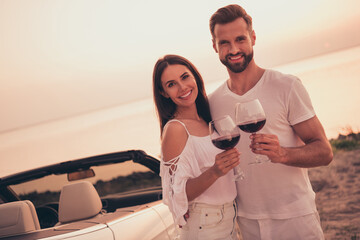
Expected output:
(179, 85)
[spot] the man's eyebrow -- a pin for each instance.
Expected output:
(241, 37)
(222, 40)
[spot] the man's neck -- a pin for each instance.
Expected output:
(240, 83)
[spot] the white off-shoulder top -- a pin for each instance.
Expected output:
(197, 156)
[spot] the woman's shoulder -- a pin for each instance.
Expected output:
(196, 127)
(174, 139)
(175, 127)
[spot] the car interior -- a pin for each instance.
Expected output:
(79, 204)
(20, 218)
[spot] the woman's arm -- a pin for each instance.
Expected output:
(173, 142)
(224, 162)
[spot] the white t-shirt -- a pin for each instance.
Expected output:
(197, 156)
(271, 190)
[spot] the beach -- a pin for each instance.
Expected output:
(332, 81)
(337, 188)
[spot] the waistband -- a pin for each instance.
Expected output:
(205, 205)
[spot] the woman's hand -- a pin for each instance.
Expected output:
(226, 161)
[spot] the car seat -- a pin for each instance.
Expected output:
(18, 218)
(78, 201)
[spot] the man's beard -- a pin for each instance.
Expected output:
(238, 67)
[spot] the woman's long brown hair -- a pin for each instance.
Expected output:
(165, 107)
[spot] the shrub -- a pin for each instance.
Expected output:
(346, 142)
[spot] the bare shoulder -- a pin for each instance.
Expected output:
(196, 127)
(174, 139)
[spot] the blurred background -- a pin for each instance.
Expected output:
(75, 75)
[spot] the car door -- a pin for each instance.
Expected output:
(167, 219)
(145, 224)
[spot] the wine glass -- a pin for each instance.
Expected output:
(225, 135)
(250, 118)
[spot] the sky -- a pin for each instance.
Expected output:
(75, 75)
(62, 58)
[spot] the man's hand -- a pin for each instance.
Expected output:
(316, 150)
(268, 144)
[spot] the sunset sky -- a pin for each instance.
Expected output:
(60, 58)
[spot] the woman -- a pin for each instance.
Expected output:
(197, 179)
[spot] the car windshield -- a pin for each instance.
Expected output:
(109, 179)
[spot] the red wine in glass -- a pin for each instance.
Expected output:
(226, 143)
(252, 127)
(225, 135)
(250, 118)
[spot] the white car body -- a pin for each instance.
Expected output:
(132, 214)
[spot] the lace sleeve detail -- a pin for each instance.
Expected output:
(172, 165)
(174, 177)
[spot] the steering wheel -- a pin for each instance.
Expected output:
(48, 216)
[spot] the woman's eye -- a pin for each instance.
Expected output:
(185, 76)
(170, 85)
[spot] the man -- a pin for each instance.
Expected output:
(275, 200)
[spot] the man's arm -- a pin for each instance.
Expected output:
(316, 151)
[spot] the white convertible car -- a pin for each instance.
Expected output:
(110, 196)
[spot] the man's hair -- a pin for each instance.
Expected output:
(228, 14)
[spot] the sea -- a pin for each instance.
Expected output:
(332, 80)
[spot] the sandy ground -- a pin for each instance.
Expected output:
(337, 188)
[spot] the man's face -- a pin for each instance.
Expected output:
(234, 44)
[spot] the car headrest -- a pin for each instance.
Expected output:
(18, 218)
(78, 201)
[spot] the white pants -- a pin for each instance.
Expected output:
(300, 228)
(210, 222)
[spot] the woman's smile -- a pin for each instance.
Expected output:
(186, 95)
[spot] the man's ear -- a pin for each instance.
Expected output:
(253, 37)
(214, 45)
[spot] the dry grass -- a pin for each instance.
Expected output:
(337, 188)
